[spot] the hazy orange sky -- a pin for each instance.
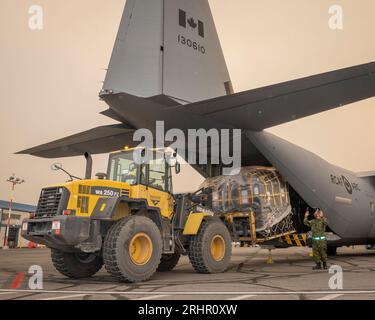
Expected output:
(50, 79)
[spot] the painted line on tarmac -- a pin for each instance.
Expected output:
(84, 295)
(330, 297)
(18, 280)
(66, 297)
(194, 293)
(244, 297)
(5, 293)
(158, 296)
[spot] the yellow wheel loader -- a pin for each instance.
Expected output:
(129, 220)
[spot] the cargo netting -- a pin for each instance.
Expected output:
(260, 189)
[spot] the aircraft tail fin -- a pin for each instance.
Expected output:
(168, 47)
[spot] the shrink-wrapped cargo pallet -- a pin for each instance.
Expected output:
(260, 189)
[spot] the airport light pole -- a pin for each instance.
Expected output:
(14, 181)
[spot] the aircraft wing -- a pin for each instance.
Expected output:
(253, 110)
(98, 140)
(266, 107)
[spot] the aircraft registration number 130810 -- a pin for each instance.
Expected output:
(191, 44)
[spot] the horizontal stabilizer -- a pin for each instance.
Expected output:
(366, 174)
(113, 115)
(98, 140)
(266, 107)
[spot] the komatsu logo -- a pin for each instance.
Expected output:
(191, 22)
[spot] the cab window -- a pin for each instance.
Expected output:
(157, 174)
(169, 181)
(122, 168)
(144, 174)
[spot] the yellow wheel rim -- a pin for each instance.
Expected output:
(140, 249)
(218, 248)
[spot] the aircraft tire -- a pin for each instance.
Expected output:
(331, 251)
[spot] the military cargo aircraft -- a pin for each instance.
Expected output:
(167, 65)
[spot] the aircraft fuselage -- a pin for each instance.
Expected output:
(347, 200)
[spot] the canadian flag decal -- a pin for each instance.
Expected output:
(184, 21)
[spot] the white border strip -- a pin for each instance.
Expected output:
(194, 293)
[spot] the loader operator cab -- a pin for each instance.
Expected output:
(122, 168)
(156, 173)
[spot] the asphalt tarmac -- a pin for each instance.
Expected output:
(249, 277)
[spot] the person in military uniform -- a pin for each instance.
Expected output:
(319, 239)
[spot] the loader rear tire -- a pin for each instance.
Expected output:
(168, 262)
(76, 265)
(132, 249)
(211, 249)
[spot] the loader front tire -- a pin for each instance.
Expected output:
(132, 249)
(76, 265)
(211, 249)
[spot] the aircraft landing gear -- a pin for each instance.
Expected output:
(331, 251)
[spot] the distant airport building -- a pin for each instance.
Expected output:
(19, 213)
